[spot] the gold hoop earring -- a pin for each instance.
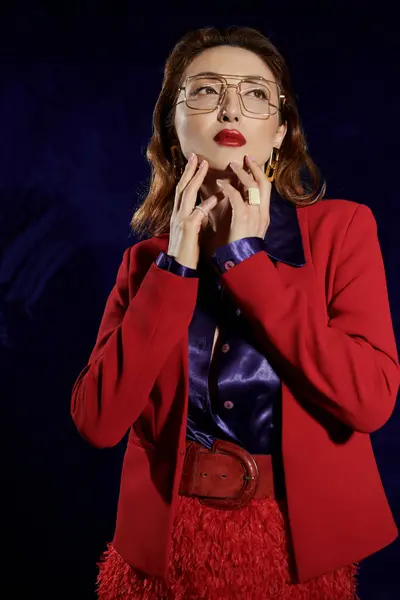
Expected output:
(272, 164)
(178, 164)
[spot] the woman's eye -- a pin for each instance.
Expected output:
(208, 89)
(258, 93)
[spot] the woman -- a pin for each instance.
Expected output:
(249, 395)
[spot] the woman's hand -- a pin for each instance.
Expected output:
(247, 220)
(186, 223)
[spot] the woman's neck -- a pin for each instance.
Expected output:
(220, 215)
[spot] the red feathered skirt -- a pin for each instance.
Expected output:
(216, 554)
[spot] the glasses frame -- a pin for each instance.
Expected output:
(222, 76)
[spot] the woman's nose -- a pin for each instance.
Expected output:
(230, 103)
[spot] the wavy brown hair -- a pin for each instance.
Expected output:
(154, 214)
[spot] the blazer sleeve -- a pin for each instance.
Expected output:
(348, 365)
(139, 329)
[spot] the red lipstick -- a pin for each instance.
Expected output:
(230, 137)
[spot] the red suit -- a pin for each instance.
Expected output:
(327, 326)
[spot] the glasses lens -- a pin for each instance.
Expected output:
(205, 93)
(260, 98)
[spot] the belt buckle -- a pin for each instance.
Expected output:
(250, 478)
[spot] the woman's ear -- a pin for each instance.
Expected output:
(280, 134)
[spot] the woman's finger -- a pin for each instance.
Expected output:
(186, 177)
(235, 197)
(188, 172)
(257, 172)
(189, 195)
(245, 178)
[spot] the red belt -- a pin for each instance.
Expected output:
(227, 476)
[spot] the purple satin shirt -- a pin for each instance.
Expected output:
(238, 398)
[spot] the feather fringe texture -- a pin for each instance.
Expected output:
(217, 554)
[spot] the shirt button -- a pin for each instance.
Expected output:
(228, 404)
(225, 348)
(229, 264)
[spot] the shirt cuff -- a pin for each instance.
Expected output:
(169, 263)
(226, 257)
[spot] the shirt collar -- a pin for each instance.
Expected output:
(283, 240)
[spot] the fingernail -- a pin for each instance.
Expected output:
(220, 182)
(235, 164)
(203, 162)
(252, 158)
(191, 156)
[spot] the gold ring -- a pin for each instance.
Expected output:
(254, 196)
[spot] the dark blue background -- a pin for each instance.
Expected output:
(77, 90)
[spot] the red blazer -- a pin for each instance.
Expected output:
(327, 325)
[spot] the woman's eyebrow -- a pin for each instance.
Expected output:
(204, 73)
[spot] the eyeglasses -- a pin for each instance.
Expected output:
(259, 96)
